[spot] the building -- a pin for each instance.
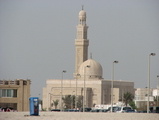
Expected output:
(15, 94)
(88, 77)
(141, 97)
(155, 92)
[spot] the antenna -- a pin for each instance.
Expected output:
(82, 7)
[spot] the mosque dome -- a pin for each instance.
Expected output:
(91, 69)
(82, 15)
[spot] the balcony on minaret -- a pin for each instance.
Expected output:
(82, 22)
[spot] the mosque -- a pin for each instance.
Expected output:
(88, 81)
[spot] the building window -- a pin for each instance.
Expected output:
(3, 93)
(8, 92)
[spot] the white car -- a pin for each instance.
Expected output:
(123, 109)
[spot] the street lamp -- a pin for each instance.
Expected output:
(112, 85)
(87, 66)
(64, 71)
(72, 99)
(148, 88)
(76, 92)
(157, 81)
(157, 88)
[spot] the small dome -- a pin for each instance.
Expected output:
(82, 15)
(94, 71)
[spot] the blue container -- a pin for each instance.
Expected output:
(34, 106)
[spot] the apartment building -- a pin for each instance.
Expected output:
(15, 94)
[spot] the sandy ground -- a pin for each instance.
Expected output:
(77, 116)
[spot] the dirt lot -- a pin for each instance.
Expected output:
(77, 116)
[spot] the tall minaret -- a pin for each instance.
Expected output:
(81, 41)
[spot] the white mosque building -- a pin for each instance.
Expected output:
(88, 78)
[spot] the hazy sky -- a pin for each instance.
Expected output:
(37, 39)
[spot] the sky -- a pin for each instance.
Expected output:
(37, 39)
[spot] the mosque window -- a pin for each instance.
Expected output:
(80, 21)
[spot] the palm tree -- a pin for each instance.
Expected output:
(128, 97)
(132, 104)
(79, 101)
(69, 101)
(55, 102)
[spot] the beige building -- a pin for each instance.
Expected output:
(15, 94)
(141, 94)
(88, 77)
(141, 97)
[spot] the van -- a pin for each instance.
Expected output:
(122, 109)
(114, 109)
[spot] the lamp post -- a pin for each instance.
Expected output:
(76, 92)
(112, 85)
(72, 102)
(157, 88)
(87, 66)
(64, 71)
(148, 87)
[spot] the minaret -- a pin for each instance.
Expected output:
(81, 41)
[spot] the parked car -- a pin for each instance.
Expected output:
(86, 109)
(103, 110)
(123, 109)
(114, 109)
(144, 111)
(71, 110)
(130, 111)
(55, 110)
(95, 110)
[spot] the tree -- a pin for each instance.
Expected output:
(127, 98)
(132, 104)
(55, 103)
(79, 101)
(69, 101)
